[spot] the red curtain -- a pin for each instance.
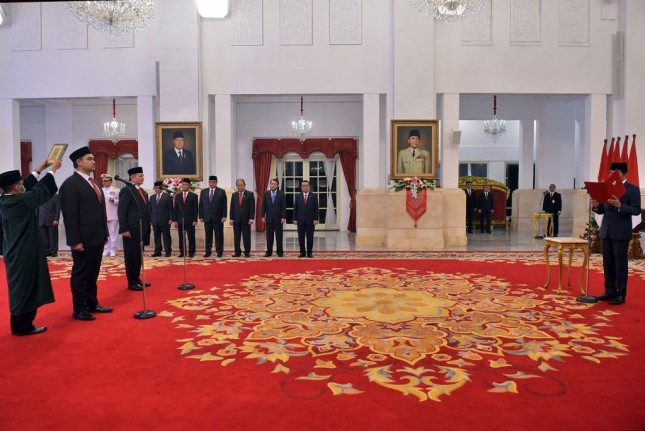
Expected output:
(349, 167)
(104, 150)
(347, 148)
(262, 164)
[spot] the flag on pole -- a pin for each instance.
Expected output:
(623, 155)
(616, 156)
(632, 164)
(604, 166)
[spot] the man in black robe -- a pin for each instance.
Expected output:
(24, 254)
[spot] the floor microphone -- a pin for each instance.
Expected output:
(118, 178)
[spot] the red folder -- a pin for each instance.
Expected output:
(602, 191)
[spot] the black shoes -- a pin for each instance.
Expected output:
(35, 331)
(219, 254)
(181, 255)
(604, 297)
(99, 309)
(236, 255)
(207, 255)
(267, 254)
(310, 255)
(247, 254)
(191, 255)
(155, 255)
(168, 255)
(135, 287)
(82, 315)
(280, 254)
(617, 300)
(301, 255)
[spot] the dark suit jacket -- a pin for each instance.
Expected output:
(171, 165)
(617, 223)
(471, 201)
(84, 215)
(274, 212)
(215, 211)
(241, 214)
(49, 212)
(161, 213)
(552, 204)
(305, 214)
(188, 210)
(132, 208)
(483, 204)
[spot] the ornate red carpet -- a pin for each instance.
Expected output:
(344, 341)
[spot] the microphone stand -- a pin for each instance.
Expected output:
(145, 313)
(586, 298)
(185, 285)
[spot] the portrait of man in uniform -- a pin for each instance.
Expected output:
(414, 149)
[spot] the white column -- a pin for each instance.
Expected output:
(595, 133)
(414, 93)
(370, 163)
(526, 154)
(146, 138)
(224, 145)
(449, 146)
(179, 35)
(9, 134)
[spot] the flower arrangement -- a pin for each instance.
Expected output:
(173, 184)
(413, 184)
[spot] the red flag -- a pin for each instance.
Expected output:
(604, 166)
(616, 156)
(623, 155)
(632, 165)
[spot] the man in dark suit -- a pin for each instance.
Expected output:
(242, 215)
(485, 207)
(185, 217)
(48, 217)
(177, 160)
(552, 204)
(161, 219)
(305, 215)
(134, 226)
(83, 208)
(616, 232)
(471, 204)
(212, 212)
(274, 214)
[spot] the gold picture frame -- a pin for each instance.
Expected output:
(169, 163)
(424, 163)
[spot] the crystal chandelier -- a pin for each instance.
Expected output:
(447, 10)
(113, 130)
(113, 17)
(494, 128)
(302, 128)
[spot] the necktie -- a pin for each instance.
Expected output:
(272, 197)
(158, 198)
(305, 198)
(143, 197)
(239, 199)
(96, 189)
(551, 195)
(210, 196)
(413, 153)
(185, 197)
(180, 158)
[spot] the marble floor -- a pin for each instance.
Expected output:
(498, 240)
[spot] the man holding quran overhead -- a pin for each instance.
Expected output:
(616, 232)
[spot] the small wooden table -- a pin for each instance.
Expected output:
(570, 244)
(535, 223)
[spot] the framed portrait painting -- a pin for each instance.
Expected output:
(179, 150)
(415, 149)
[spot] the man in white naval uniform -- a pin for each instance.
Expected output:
(111, 195)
